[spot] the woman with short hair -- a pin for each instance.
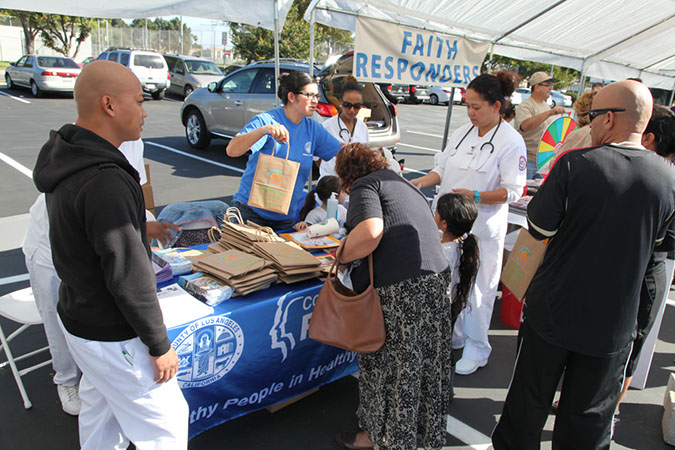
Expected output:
(404, 387)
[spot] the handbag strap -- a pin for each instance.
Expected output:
(274, 147)
(337, 261)
(233, 213)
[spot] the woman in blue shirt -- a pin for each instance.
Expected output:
(270, 131)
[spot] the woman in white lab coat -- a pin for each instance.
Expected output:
(486, 161)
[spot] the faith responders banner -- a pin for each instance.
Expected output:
(390, 53)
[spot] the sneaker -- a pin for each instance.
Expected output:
(467, 366)
(70, 399)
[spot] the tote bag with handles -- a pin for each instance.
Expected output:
(342, 318)
(273, 182)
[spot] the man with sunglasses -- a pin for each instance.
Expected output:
(534, 115)
(603, 209)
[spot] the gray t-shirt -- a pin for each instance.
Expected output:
(410, 246)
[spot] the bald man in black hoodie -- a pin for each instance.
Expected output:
(107, 301)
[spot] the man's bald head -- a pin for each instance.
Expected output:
(100, 78)
(105, 95)
(616, 127)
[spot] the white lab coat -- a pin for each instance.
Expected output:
(503, 168)
(334, 125)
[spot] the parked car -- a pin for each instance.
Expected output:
(188, 73)
(148, 65)
(558, 98)
(223, 108)
(440, 94)
(520, 94)
(43, 74)
(409, 93)
(86, 61)
(231, 68)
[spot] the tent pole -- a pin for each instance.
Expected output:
(492, 52)
(672, 95)
(276, 47)
(311, 43)
(447, 118)
(582, 81)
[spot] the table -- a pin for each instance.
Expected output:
(254, 352)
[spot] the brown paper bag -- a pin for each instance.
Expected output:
(273, 182)
(523, 263)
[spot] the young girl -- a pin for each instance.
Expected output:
(311, 214)
(454, 216)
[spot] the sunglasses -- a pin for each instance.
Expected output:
(310, 95)
(348, 105)
(593, 113)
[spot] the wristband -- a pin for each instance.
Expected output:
(476, 197)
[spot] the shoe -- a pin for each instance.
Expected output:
(347, 439)
(70, 399)
(467, 366)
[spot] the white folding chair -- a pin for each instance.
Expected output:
(19, 306)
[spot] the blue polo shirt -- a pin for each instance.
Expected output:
(308, 138)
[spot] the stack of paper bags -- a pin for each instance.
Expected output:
(291, 263)
(246, 273)
(242, 237)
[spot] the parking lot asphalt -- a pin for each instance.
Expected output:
(312, 422)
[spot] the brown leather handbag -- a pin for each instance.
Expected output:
(342, 318)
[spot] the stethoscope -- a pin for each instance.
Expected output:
(488, 143)
(344, 130)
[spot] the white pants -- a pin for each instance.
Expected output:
(45, 284)
(121, 401)
(471, 328)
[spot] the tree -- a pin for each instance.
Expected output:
(61, 33)
(526, 68)
(255, 43)
(32, 24)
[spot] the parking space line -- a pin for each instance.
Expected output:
(421, 148)
(473, 438)
(16, 165)
(14, 279)
(198, 158)
(15, 98)
(424, 134)
(406, 169)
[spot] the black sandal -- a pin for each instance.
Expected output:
(347, 439)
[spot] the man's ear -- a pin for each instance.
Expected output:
(108, 106)
(648, 140)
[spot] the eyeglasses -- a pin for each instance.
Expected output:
(348, 105)
(593, 113)
(310, 95)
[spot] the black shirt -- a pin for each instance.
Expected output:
(604, 208)
(410, 245)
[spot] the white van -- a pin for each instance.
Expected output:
(148, 65)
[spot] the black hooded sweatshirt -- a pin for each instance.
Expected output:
(99, 240)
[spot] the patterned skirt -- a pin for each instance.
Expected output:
(404, 387)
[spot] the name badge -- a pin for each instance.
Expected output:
(466, 160)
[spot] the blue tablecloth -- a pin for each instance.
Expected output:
(254, 352)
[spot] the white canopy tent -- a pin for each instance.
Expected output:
(269, 14)
(611, 40)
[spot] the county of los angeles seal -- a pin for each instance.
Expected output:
(207, 349)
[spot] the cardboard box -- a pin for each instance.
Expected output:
(523, 263)
(148, 195)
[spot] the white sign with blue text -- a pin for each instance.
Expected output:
(390, 53)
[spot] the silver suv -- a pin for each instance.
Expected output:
(188, 73)
(224, 107)
(147, 65)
